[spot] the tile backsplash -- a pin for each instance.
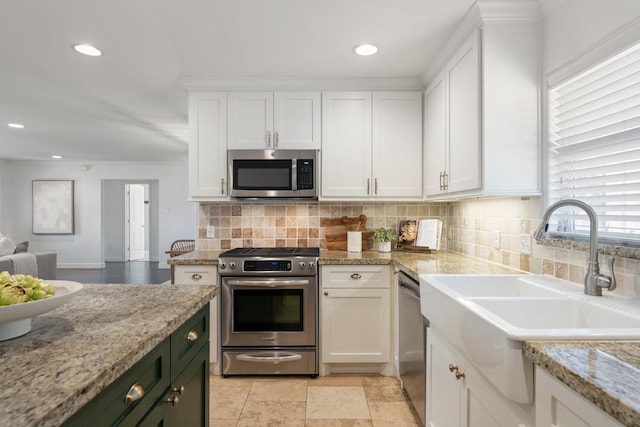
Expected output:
(470, 226)
(474, 225)
(296, 224)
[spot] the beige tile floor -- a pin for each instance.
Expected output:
(333, 401)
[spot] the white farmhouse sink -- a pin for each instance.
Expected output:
(487, 318)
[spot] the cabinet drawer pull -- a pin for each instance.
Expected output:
(192, 336)
(173, 401)
(136, 392)
(356, 276)
(196, 276)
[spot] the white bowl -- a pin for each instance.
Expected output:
(15, 320)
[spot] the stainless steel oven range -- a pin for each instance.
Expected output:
(269, 311)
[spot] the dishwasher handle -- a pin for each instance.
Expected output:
(409, 285)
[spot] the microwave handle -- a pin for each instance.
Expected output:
(294, 174)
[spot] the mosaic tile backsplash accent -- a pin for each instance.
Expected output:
(296, 224)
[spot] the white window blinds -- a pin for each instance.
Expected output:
(595, 147)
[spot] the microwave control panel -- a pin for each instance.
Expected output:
(305, 174)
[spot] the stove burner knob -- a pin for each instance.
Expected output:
(232, 265)
(312, 265)
(301, 265)
(222, 265)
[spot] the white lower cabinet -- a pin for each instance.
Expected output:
(458, 395)
(559, 406)
(355, 319)
(204, 275)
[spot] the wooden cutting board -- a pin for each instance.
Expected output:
(336, 231)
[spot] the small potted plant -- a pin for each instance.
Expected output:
(384, 237)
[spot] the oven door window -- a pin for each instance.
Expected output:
(262, 174)
(268, 310)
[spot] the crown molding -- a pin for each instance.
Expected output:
(482, 12)
(203, 83)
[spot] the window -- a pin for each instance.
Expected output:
(594, 154)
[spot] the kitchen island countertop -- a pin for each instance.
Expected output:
(75, 351)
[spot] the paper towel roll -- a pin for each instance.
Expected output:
(354, 241)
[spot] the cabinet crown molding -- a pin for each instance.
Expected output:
(203, 83)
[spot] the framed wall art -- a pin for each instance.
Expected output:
(52, 207)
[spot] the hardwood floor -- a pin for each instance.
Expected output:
(132, 272)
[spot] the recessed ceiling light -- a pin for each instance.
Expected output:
(56, 157)
(87, 49)
(365, 49)
(16, 125)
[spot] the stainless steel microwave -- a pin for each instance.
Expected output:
(286, 174)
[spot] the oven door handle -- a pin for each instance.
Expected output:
(269, 359)
(265, 283)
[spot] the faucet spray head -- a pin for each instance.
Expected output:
(541, 232)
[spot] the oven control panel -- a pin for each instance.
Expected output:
(284, 267)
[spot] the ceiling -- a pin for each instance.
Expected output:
(131, 103)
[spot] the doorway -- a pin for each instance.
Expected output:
(136, 220)
(127, 202)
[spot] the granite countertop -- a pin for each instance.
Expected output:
(73, 352)
(414, 264)
(605, 373)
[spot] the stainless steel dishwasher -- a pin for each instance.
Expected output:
(412, 339)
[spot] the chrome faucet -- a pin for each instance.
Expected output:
(593, 281)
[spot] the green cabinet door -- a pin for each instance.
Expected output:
(186, 403)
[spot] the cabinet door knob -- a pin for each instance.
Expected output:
(192, 336)
(454, 368)
(326, 293)
(173, 401)
(178, 390)
(196, 276)
(136, 392)
(356, 276)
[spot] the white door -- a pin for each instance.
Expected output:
(435, 137)
(397, 144)
(136, 217)
(250, 117)
(296, 117)
(463, 75)
(346, 144)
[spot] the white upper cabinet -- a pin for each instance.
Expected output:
(270, 121)
(371, 145)
(208, 146)
(482, 111)
(346, 144)
(397, 144)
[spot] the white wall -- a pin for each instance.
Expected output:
(572, 28)
(176, 216)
